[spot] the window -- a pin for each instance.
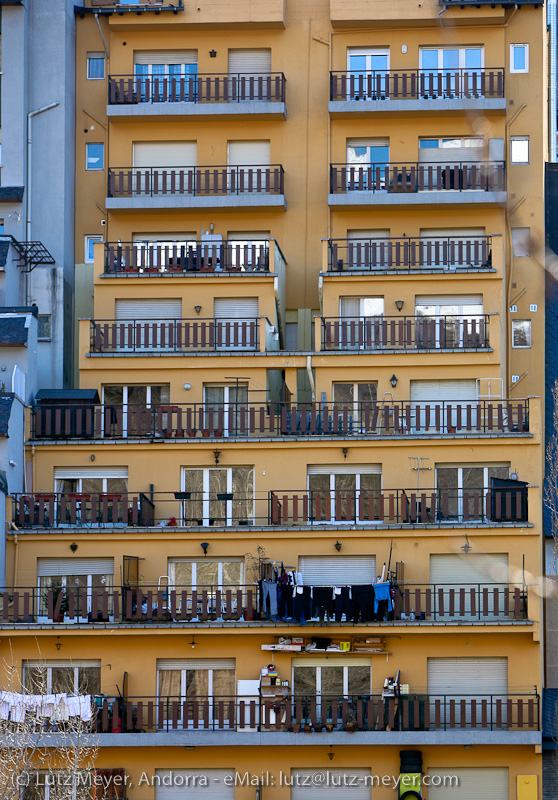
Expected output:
(519, 150)
(521, 333)
(218, 496)
(329, 681)
(90, 248)
(57, 677)
(449, 322)
(364, 62)
(521, 242)
(1, 226)
(94, 156)
(206, 573)
(135, 400)
(95, 66)
(57, 785)
(195, 679)
(450, 144)
(460, 70)
(43, 328)
(75, 576)
(91, 485)
(355, 393)
(363, 154)
(519, 58)
(341, 493)
(223, 406)
(462, 490)
(175, 70)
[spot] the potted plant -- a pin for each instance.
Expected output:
(350, 722)
(205, 433)
(329, 726)
(307, 728)
(318, 726)
(192, 432)
(58, 589)
(296, 727)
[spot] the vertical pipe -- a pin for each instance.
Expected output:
(553, 68)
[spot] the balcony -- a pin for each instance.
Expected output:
(194, 509)
(421, 183)
(134, 97)
(168, 188)
(195, 421)
(178, 337)
(413, 604)
(411, 254)
(390, 92)
(179, 258)
(405, 334)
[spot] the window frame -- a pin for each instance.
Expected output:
(520, 139)
(87, 157)
(517, 322)
(512, 68)
(194, 561)
(50, 665)
(44, 338)
(206, 500)
(95, 57)
(332, 490)
(88, 240)
(460, 467)
(149, 403)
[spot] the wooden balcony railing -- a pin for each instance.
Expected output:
(485, 176)
(324, 713)
(276, 420)
(466, 332)
(199, 88)
(445, 253)
(178, 336)
(191, 509)
(420, 84)
(192, 256)
(459, 603)
(229, 180)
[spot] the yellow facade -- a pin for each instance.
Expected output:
(201, 477)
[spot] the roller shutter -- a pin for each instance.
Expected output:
(462, 390)
(250, 61)
(148, 309)
(451, 233)
(194, 784)
(467, 676)
(468, 568)
(448, 300)
(196, 663)
(140, 238)
(474, 783)
(235, 308)
(47, 567)
(450, 155)
(342, 469)
(351, 784)
(337, 570)
(90, 472)
(165, 154)
(165, 57)
(248, 154)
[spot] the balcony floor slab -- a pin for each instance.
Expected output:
(170, 202)
(434, 107)
(162, 111)
(353, 199)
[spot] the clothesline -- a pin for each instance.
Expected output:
(57, 707)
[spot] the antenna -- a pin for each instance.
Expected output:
(418, 466)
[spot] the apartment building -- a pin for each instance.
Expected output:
(290, 523)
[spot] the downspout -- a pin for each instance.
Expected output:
(552, 112)
(311, 376)
(96, 15)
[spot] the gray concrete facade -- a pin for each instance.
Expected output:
(38, 66)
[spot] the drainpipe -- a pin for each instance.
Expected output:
(96, 15)
(29, 180)
(311, 376)
(553, 55)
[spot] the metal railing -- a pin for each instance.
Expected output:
(411, 253)
(275, 420)
(199, 88)
(187, 256)
(464, 332)
(419, 84)
(324, 713)
(402, 178)
(194, 509)
(195, 181)
(179, 336)
(66, 604)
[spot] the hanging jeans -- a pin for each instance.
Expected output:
(285, 601)
(363, 603)
(302, 603)
(323, 602)
(343, 604)
(270, 592)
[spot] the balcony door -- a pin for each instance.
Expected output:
(361, 322)
(427, 394)
(197, 682)
(368, 249)
(156, 163)
(247, 166)
(248, 73)
(77, 576)
(465, 489)
(469, 571)
(460, 68)
(449, 322)
(167, 76)
(338, 492)
(147, 324)
(236, 323)
(365, 63)
(225, 407)
(468, 679)
(366, 163)
(453, 248)
(86, 490)
(329, 681)
(218, 496)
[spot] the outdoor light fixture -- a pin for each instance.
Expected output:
(216, 454)
(193, 642)
(399, 304)
(197, 309)
(338, 545)
(393, 380)
(345, 451)
(58, 643)
(204, 546)
(466, 548)
(212, 53)
(73, 547)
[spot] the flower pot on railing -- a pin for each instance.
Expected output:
(205, 433)
(307, 728)
(329, 726)
(192, 432)
(296, 727)
(218, 431)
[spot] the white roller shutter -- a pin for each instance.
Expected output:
(450, 155)
(248, 236)
(467, 676)
(165, 154)
(375, 142)
(47, 567)
(248, 154)
(194, 784)
(468, 568)
(472, 783)
(383, 233)
(242, 308)
(437, 390)
(448, 300)
(250, 61)
(337, 570)
(453, 233)
(196, 663)
(90, 472)
(188, 236)
(148, 309)
(165, 57)
(350, 783)
(344, 469)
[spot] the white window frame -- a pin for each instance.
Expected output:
(462, 312)
(332, 498)
(355, 385)
(79, 480)
(91, 239)
(50, 665)
(512, 68)
(226, 401)
(516, 322)
(94, 169)
(63, 582)
(183, 696)
(459, 489)
(219, 561)
(520, 139)
(125, 390)
(96, 57)
(318, 691)
(45, 338)
(206, 499)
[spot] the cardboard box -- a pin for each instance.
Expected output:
(345, 646)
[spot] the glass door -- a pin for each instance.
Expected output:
(365, 64)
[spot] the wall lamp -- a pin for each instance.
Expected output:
(345, 451)
(58, 643)
(393, 380)
(399, 304)
(197, 309)
(216, 454)
(212, 53)
(204, 546)
(73, 547)
(338, 545)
